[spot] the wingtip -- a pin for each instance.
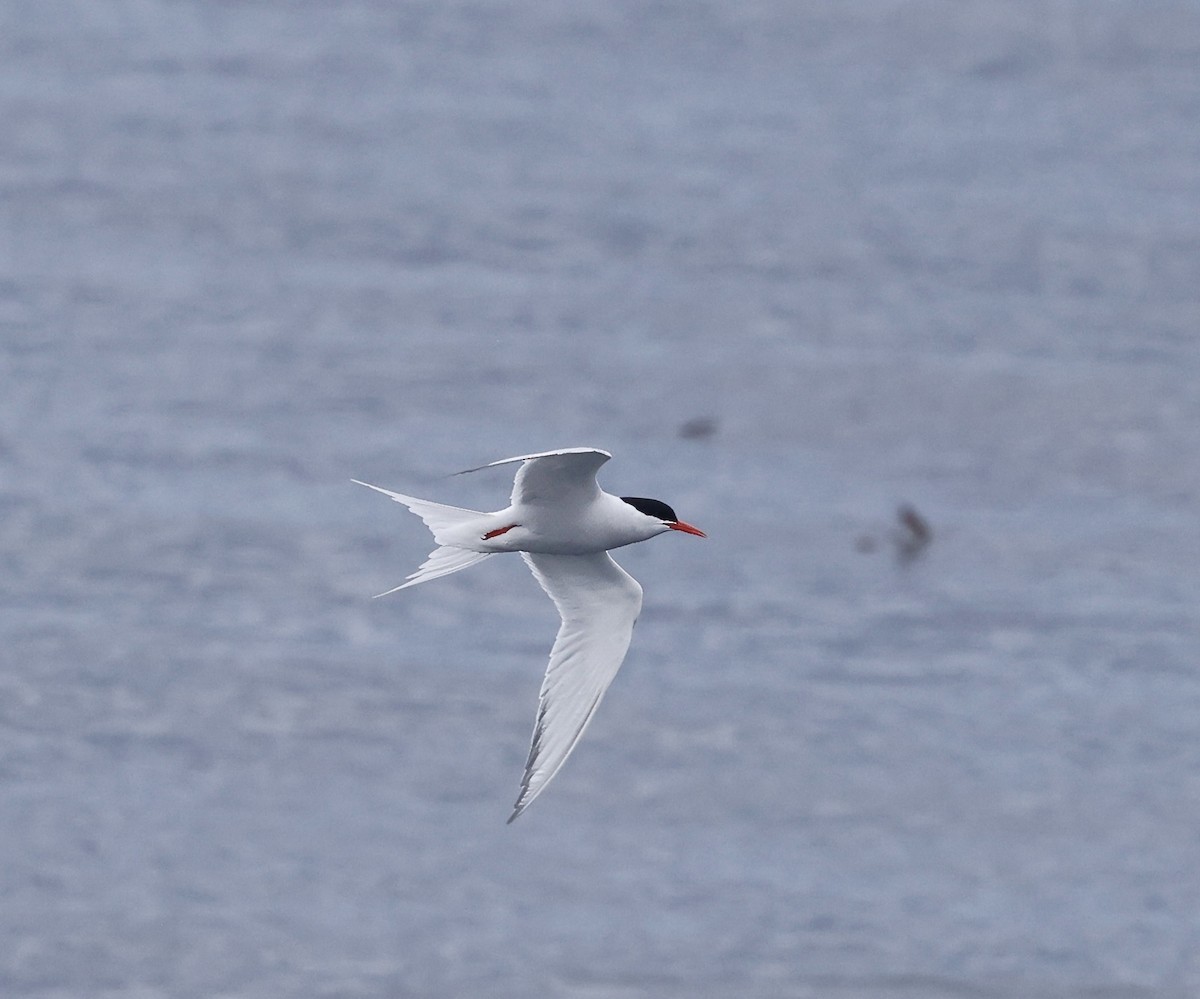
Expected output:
(519, 805)
(522, 803)
(526, 797)
(536, 454)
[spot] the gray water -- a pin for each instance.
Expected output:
(795, 265)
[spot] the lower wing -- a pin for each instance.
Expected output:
(599, 603)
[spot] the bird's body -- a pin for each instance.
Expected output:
(564, 525)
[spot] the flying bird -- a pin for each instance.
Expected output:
(564, 526)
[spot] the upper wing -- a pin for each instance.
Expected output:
(599, 603)
(554, 476)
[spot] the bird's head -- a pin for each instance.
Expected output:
(659, 511)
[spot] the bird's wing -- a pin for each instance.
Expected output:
(599, 603)
(556, 477)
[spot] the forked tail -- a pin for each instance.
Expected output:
(443, 521)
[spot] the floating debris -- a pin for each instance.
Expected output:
(910, 538)
(698, 429)
(913, 536)
(865, 544)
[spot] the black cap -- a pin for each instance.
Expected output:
(652, 508)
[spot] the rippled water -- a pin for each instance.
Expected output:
(794, 265)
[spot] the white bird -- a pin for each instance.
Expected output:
(564, 525)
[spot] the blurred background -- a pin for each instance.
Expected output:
(898, 300)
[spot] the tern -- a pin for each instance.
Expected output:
(564, 526)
